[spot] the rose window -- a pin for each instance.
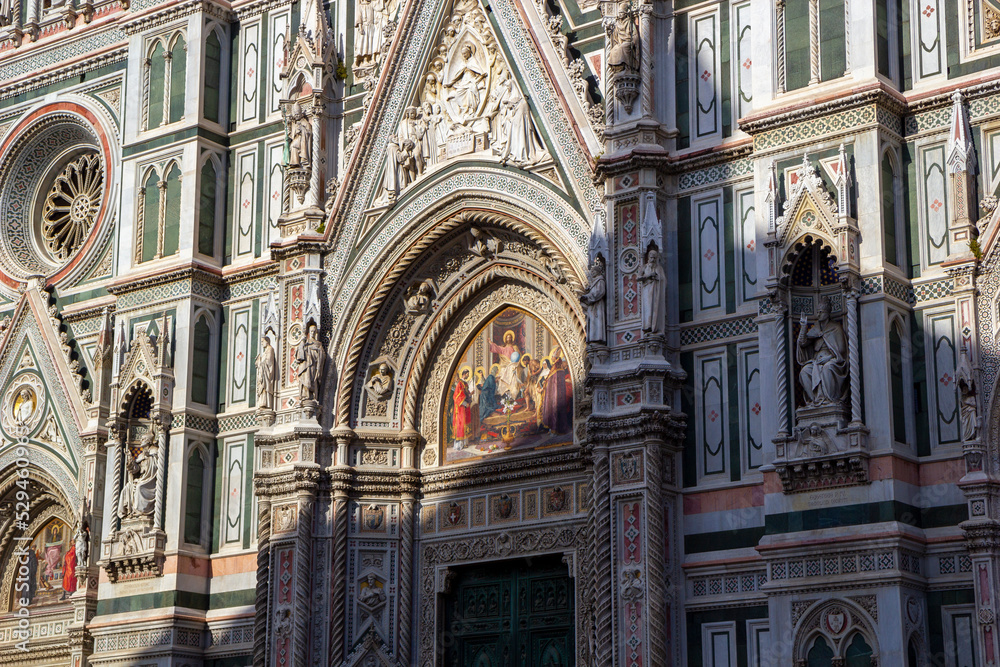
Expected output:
(71, 206)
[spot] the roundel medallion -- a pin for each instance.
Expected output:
(23, 405)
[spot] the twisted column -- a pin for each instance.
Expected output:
(646, 66)
(779, 8)
(814, 41)
(116, 480)
(303, 587)
(655, 570)
(854, 355)
(315, 187)
(338, 606)
(403, 637)
(161, 474)
(161, 216)
(261, 598)
(603, 583)
(782, 372)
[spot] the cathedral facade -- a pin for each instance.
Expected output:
(490, 332)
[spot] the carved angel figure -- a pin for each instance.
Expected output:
(139, 492)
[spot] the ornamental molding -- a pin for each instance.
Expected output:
(257, 7)
(389, 270)
(160, 15)
(494, 473)
(135, 284)
(438, 556)
(63, 72)
(770, 120)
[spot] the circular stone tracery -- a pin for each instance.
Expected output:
(71, 206)
(56, 171)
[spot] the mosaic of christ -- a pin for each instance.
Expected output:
(511, 390)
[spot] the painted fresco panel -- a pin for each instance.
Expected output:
(511, 390)
(51, 565)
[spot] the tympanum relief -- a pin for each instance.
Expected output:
(468, 102)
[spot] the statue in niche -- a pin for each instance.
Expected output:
(380, 386)
(82, 540)
(299, 139)
(623, 43)
(265, 363)
(139, 492)
(652, 280)
(593, 299)
(310, 358)
(821, 350)
(371, 595)
(969, 403)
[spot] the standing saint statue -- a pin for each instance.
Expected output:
(300, 139)
(593, 299)
(265, 363)
(968, 405)
(310, 358)
(652, 280)
(821, 350)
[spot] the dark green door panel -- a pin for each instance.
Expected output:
(510, 614)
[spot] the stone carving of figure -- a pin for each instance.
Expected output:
(467, 84)
(82, 540)
(299, 139)
(623, 46)
(369, 29)
(403, 163)
(813, 441)
(265, 374)
(593, 299)
(433, 137)
(24, 406)
(414, 128)
(310, 357)
(371, 595)
(418, 301)
(821, 350)
(380, 385)
(522, 143)
(969, 403)
(138, 494)
(652, 280)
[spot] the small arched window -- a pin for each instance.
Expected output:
(149, 216)
(156, 82)
(194, 498)
(889, 227)
(859, 653)
(213, 76)
(178, 68)
(208, 208)
(897, 382)
(172, 212)
(200, 361)
(820, 655)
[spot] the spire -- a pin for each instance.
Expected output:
(651, 230)
(598, 240)
(772, 198)
(843, 182)
(961, 152)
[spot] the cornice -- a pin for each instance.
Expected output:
(489, 473)
(165, 13)
(772, 119)
(60, 73)
(194, 273)
(256, 7)
(662, 425)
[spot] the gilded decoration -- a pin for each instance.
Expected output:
(23, 405)
(512, 389)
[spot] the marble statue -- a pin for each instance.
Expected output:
(310, 358)
(139, 492)
(821, 351)
(380, 385)
(82, 540)
(593, 299)
(522, 145)
(652, 280)
(266, 364)
(969, 403)
(371, 595)
(300, 139)
(418, 298)
(623, 46)
(813, 441)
